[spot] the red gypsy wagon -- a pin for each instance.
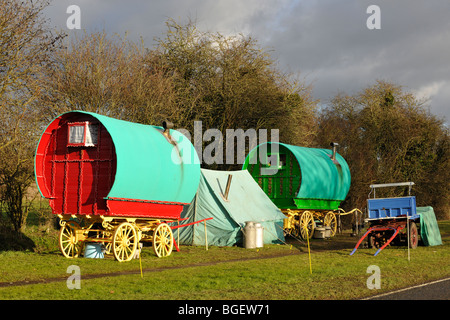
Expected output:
(115, 182)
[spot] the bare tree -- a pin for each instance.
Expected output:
(108, 75)
(225, 82)
(388, 135)
(26, 45)
(230, 82)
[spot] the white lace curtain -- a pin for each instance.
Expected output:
(76, 134)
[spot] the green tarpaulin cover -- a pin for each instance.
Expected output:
(246, 202)
(429, 230)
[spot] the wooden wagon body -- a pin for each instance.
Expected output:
(115, 182)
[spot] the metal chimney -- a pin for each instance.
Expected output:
(167, 125)
(334, 145)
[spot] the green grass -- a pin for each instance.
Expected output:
(194, 273)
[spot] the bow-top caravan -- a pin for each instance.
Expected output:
(307, 184)
(115, 182)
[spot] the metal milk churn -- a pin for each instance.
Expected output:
(249, 235)
(259, 235)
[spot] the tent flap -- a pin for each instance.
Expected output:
(246, 202)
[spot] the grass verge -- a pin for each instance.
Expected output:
(275, 272)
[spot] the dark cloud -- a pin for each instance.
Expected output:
(329, 42)
(326, 41)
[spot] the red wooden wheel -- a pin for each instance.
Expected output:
(413, 235)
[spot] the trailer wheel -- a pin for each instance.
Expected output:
(163, 240)
(124, 242)
(413, 235)
(68, 240)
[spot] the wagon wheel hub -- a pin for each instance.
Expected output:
(125, 242)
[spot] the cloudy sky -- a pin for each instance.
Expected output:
(326, 42)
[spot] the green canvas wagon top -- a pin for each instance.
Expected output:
(298, 177)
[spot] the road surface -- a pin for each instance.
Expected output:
(436, 290)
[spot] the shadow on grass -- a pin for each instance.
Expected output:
(11, 240)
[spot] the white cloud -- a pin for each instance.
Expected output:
(431, 90)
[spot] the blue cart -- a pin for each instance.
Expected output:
(389, 218)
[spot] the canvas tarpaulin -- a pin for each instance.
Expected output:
(429, 230)
(246, 202)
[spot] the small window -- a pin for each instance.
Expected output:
(82, 134)
(276, 160)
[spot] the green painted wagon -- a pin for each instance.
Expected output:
(307, 184)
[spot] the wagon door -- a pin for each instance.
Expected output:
(80, 166)
(279, 177)
(285, 183)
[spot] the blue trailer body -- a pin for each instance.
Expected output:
(388, 216)
(387, 208)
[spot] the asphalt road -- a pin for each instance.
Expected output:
(436, 290)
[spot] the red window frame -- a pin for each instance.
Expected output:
(85, 124)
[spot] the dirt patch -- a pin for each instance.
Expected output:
(339, 242)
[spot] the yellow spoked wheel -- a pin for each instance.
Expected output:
(163, 240)
(306, 224)
(331, 221)
(68, 240)
(124, 242)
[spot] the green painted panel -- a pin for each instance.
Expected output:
(283, 185)
(317, 204)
